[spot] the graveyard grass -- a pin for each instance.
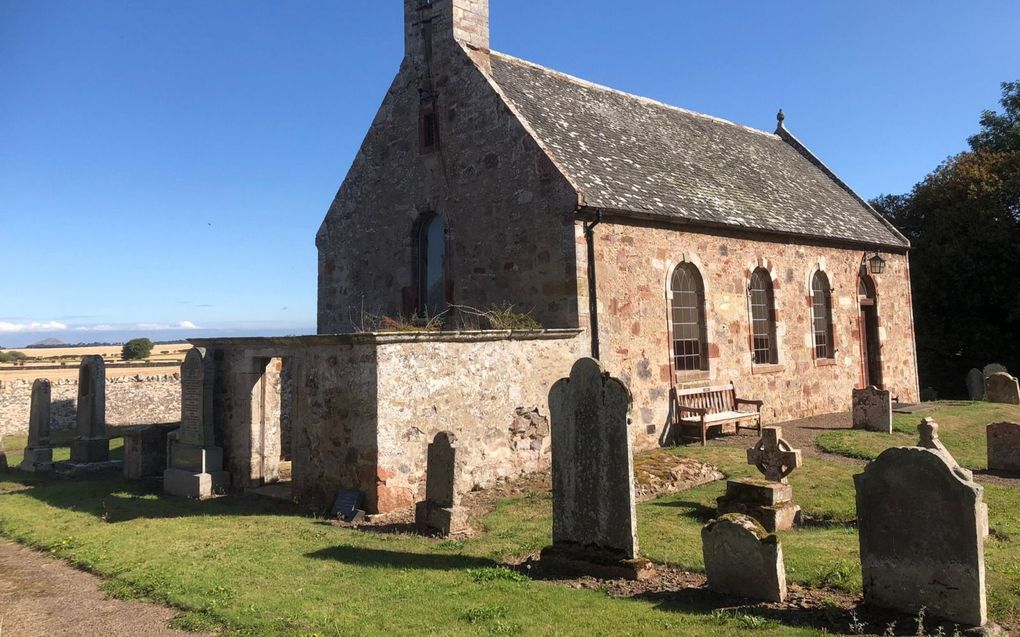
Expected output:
(250, 566)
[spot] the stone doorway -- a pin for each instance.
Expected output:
(272, 420)
(871, 356)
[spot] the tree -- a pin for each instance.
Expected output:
(136, 349)
(963, 221)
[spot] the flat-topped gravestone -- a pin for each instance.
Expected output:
(872, 409)
(440, 512)
(742, 559)
(975, 384)
(1004, 447)
(38, 453)
(922, 524)
(769, 501)
(90, 444)
(594, 519)
(1002, 388)
(145, 450)
(194, 462)
(347, 506)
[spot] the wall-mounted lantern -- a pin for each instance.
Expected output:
(876, 264)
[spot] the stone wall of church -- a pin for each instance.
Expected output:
(508, 210)
(634, 265)
(489, 389)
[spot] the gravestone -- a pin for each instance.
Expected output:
(145, 450)
(594, 519)
(769, 501)
(1004, 447)
(975, 384)
(872, 409)
(742, 559)
(922, 524)
(347, 506)
(440, 512)
(90, 444)
(1002, 388)
(194, 462)
(994, 368)
(3, 455)
(38, 453)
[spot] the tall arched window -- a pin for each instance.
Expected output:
(687, 306)
(763, 318)
(432, 267)
(821, 310)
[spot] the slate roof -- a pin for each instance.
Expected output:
(630, 154)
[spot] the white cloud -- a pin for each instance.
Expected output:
(95, 328)
(183, 325)
(187, 325)
(48, 326)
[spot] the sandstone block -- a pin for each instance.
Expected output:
(743, 560)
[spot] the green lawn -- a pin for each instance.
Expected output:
(258, 567)
(961, 429)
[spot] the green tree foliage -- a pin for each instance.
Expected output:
(11, 357)
(136, 349)
(964, 223)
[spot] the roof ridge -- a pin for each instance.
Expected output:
(647, 100)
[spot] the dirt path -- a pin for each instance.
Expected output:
(40, 596)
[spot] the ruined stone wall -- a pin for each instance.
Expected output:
(508, 211)
(490, 392)
(135, 400)
(634, 265)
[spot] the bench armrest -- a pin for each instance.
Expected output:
(745, 401)
(694, 410)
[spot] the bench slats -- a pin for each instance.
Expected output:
(720, 406)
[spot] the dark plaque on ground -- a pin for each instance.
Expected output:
(347, 505)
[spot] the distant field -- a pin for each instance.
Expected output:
(170, 355)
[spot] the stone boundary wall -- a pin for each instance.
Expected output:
(131, 400)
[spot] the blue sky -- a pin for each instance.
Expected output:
(166, 164)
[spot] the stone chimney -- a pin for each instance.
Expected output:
(432, 22)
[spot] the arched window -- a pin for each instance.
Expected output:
(432, 267)
(763, 318)
(821, 309)
(687, 306)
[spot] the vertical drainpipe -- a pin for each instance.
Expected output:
(593, 298)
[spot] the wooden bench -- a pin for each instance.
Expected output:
(705, 407)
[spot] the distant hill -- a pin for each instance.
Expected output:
(48, 342)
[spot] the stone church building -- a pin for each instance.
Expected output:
(681, 249)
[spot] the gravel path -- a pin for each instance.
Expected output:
(40, 596)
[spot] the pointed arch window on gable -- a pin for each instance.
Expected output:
(687, 318)
(763, 319)
(821, 311)
(432, 267)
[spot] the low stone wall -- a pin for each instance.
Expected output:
(133, 400)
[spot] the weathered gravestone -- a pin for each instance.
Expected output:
(769, 501)
(872, 409)
(975, 384)
(90, 444)
(743, 559)
(39, 454)
(3, 455)
(1004, 447)
(594, 519)
(145, 450)
(440, 512)
(994, 368)
(194, 462)
(922, 525)
(1002, 388)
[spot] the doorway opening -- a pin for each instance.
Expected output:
(871, 353)
(272, 424)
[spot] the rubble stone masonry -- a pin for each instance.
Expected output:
(133, 400)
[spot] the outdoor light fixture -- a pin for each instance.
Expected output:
(876, 264)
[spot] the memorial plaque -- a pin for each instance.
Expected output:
(347, 505)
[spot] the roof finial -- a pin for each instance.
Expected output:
(780, 116)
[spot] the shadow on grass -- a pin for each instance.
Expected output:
(114, 499)
(378, 558)
(694, 510)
